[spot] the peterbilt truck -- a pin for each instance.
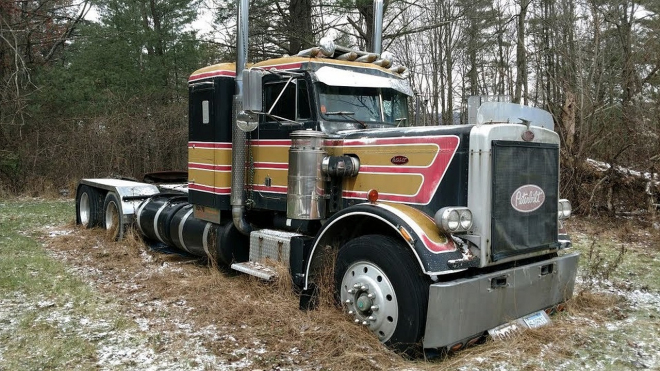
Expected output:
(437, 234)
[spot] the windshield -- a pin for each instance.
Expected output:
(363, 105)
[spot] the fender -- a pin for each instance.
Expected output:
(413, 227)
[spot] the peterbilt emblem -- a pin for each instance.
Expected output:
(399, 160)
(527, 198)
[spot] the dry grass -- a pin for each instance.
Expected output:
(248, 313)
(545, 347)
(255, 313)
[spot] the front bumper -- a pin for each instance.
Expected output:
(467, 307)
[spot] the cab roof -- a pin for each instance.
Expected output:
(290, 63)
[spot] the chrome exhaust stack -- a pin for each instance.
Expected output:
(378, 26)
(239, 136)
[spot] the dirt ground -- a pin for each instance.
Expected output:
(183, 314)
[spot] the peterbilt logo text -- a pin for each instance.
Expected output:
(527, 198)
(399, 160)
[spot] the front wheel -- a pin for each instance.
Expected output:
(381, 286)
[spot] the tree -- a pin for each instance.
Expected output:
(276, 27)
(520, 95)
(32, 36)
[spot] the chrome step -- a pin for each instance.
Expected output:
(256, 269)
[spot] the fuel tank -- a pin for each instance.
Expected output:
(169, 219)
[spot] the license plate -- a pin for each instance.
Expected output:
(534, 320)
(505, 331)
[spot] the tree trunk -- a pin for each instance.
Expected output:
(300, 25)
(521, 56)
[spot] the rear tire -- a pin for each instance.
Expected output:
(113, 217)
(380, 285)
(88, 207)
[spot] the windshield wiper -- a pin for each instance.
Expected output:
(400, 121)
(348, 115)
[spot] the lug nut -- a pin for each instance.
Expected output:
(374, 308)
(350, 291)
(348, 301)
(364, 287)
(365, 323)
(371, 318)
(371, 296)
(357, 285)
(357, 320)
(350, 312)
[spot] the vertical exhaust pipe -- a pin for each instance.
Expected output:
(378, 26)
(239, 136)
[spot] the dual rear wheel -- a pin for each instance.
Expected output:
(113, 217)
(88, 207)
(96, 209)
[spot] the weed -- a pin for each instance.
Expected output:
(599, 265)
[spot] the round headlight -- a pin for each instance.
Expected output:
(564, 209)
(567, 209)
(466, 219)
(453, 220)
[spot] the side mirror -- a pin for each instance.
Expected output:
(247, 121)
(252, 95)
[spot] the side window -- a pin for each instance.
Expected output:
(283, 107)
(304, 109)
(395, 107)
(293, 103)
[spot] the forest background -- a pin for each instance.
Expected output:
(108, 96)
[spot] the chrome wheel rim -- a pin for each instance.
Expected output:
(84, 211)
(368, 296)
(112, 217)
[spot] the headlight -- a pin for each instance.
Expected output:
(564, 210)
(454, 219)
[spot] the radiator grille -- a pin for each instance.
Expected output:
(520, 222)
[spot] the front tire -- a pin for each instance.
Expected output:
(381, 286)
(113, 217)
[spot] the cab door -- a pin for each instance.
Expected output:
(286, 108)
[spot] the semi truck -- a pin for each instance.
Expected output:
(434, 236)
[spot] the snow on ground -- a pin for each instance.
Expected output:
(152, 341)
(129, 348)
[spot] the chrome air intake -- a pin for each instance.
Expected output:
(305, 197)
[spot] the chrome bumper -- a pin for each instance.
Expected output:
(467, 307)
